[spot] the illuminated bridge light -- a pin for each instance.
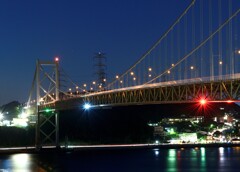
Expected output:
(229, 101)
(203, 101)
(56, 59)
(49, 110)
(86, 106)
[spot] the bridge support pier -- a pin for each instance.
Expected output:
(47, 129)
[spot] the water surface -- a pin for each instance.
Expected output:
(141, 160)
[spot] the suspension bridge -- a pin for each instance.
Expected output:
(197, 59)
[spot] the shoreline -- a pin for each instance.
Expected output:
(80, 148)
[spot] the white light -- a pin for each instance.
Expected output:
(23, 115)
(1, 116)
(26, 107)
(20, 162)
(20, 122)
(86, 106)
(225, 117)
(156, 152)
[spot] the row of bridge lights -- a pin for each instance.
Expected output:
(134, 78)
(168, 71)
(132, 74)
(92, 87)
(150, 70)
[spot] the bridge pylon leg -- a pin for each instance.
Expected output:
(37, 133)
(57, 129)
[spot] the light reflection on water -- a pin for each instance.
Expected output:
(156, 152)
(203, 159)
(17, 162)
(21, 161)
(169, 160)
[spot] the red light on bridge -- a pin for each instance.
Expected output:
(229, 101)
(203, 101)
(56, 59)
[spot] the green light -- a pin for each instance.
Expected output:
(172, 131)
(49, 110)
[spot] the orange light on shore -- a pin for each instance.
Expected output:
(203, 101)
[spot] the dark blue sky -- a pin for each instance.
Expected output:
(74, 30)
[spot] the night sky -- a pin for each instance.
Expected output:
(75, 30)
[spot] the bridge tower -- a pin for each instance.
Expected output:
(100, 69)
(47, 83)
